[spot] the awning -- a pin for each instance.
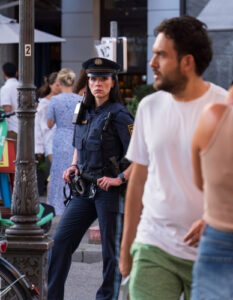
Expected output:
(9, 33)
(218, 15)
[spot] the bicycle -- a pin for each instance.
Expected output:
(13, 284)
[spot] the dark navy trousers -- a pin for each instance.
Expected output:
(78, 216)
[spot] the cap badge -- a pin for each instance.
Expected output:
(98, 61)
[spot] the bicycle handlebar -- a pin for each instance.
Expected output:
(4, 115)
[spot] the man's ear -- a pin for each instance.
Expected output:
(188, 63)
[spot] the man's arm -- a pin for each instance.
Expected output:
(133, 210)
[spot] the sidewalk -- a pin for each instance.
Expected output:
(86, 252)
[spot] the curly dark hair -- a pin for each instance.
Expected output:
(114, 95)
(190, 37)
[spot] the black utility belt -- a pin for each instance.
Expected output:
(81, 185)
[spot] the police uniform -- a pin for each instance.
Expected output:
(101, 139)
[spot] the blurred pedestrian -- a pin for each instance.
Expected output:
(162, 200)
(213, 173)
(9, 97)
(101, 140)
(43, 134)
(60, 112)
(80, 85)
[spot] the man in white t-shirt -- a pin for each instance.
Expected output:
(162, 201)
(9, 96)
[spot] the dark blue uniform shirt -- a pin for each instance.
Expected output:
(97, 146)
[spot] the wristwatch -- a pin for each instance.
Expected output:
(122, 177)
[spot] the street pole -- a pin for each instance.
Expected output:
(27, 244)
(114, 29)
(114, 33)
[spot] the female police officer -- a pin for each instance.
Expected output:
(101, 139)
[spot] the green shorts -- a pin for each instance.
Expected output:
(157, 275)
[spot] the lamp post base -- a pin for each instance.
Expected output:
(30, 257)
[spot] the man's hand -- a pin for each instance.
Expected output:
(67, 172)
(106, 182)
(125, 263)
(194, 234)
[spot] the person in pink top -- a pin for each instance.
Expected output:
(212, 158)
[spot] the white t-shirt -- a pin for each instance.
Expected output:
(9, 96)
(43, 135)
(161, 140)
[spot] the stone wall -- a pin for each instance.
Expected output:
(220, 70)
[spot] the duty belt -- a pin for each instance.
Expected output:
(80, 184)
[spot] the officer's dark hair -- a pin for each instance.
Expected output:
(114, 95)
(81, 82)
(9, 69)
(190, 37)
(45, 89)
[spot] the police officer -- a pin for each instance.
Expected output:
(101, 139)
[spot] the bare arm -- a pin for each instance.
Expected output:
(50, 123)
(133, 210)
(196, 162)
(106, 182)
(7, 108)
(204, 132)
(73, 168)
(206, 127)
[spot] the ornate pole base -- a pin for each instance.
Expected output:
(31, 258)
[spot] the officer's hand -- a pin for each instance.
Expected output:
(125, 263)
(106, 182)
(67, 172)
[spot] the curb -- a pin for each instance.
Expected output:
(87, 254)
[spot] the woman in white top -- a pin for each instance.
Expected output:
(43, 134)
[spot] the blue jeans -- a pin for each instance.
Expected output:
(213, 269)
(78, 216)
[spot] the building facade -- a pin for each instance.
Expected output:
(83, 22)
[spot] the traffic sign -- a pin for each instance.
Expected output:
(114, 49)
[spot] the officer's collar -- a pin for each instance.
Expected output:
(103, 106)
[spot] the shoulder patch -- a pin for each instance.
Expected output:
(130, 128)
